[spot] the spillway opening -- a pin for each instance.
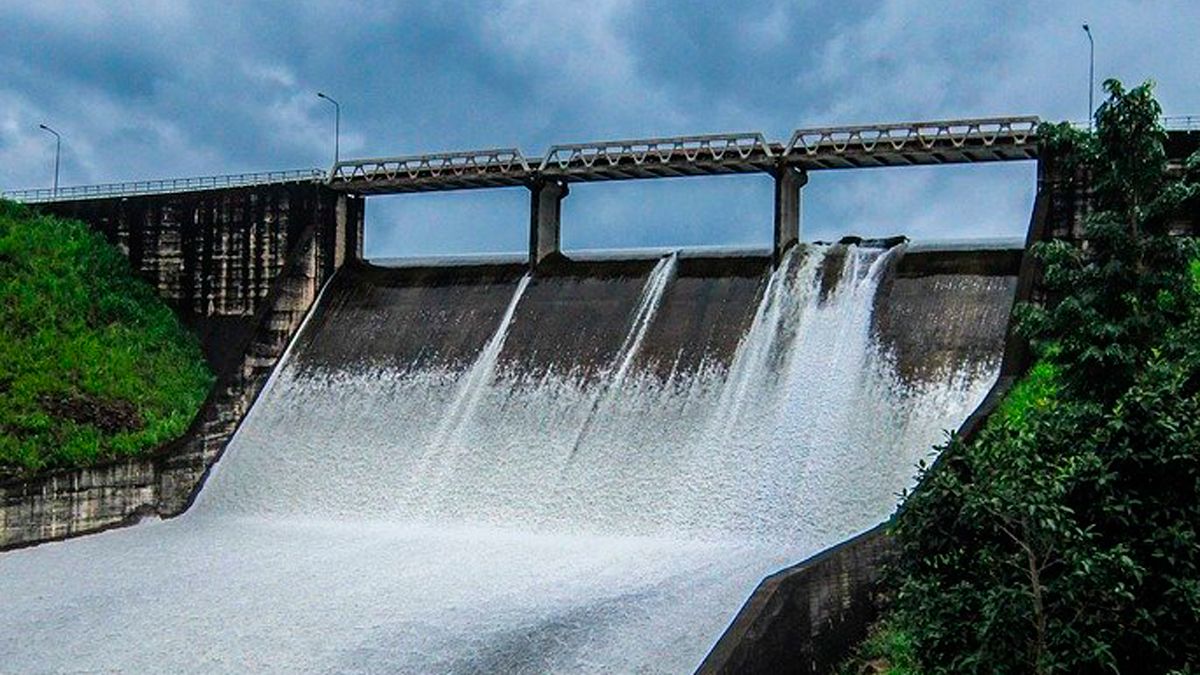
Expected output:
(442, 227)
(705, 213)
(487, 470)
(982, 201)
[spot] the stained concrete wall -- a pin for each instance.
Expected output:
(800, 619)
(936, 311)
(941, 312)
(241, 267)
(572, 319)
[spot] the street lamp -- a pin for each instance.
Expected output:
(337, 124)
(57, 154)
(1091, 74)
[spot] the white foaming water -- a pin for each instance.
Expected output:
(450, 434)
(647, 308)
(483, 521)
(652, 295)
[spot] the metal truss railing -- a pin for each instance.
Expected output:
(919, 136)
(714, 148)
(168, 185)
(447, 164)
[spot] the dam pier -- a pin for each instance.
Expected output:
(850, 147)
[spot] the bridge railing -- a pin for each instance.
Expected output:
(471, 163)
(167, 185)
(922, 136)
(647, 152)
(1181, 122)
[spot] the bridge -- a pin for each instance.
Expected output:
(993, 139)
(847, 147)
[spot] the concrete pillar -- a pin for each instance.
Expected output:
(788, 182)
(341, 225)
(360, 217)
(545, 219)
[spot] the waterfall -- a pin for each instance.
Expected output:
(426, 517)
(479, 376)
(435, 462)
(652, 295)
(651, 298)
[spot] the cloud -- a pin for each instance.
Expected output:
(158, 89)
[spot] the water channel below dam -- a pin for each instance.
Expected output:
(488, 471)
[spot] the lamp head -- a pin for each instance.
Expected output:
(1087, 29)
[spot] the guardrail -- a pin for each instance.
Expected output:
(1181, 123)
(1169, 123)
(647, 152)
(168, 185)
(918, 135)
(484, 167)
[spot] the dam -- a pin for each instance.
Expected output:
(486, 469)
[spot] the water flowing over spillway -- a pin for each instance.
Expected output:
(509, 509)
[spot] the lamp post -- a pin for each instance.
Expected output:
(57, 154)
(1091, 74)
(337, 124)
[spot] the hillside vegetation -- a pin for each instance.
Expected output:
(1065, 537)
(92, 364)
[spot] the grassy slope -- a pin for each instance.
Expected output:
(92, 364)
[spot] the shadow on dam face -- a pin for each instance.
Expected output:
(589, 468)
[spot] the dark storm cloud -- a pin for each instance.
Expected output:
(160, 89)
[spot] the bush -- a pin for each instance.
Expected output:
(888, 650)
(92, 364)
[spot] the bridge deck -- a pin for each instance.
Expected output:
(164, 186)
(847, 147)
(503, 167)
(922, 143)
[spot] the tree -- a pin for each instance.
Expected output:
(1066, 536)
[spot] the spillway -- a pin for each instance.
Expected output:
(584, 470)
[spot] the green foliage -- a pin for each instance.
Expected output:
(888, 650)
(1066, 536)
(1035, 392)
(92, 364)
(1117, 296)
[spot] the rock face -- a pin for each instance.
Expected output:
(241, 267)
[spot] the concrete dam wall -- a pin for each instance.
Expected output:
(589, 468)
(935, 310)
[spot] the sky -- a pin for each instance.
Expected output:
(143, 90)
